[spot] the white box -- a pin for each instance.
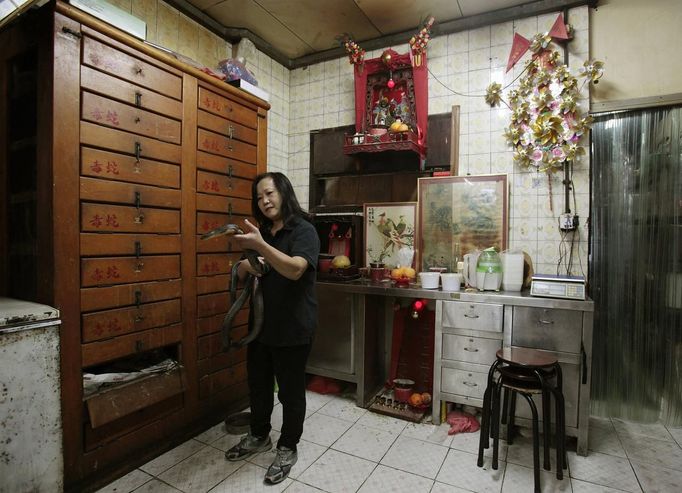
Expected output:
(114, 16)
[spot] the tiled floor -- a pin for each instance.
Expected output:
(348, 449)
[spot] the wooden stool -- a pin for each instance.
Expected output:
(526, 372)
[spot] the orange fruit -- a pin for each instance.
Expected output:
(415, 400)
(426, 398)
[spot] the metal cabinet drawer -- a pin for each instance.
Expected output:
(549, 329)
(463, 382)
(477, 316)
(470, 349)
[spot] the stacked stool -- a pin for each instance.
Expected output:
(526, 372)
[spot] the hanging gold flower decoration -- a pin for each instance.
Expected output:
(540, 42)
(547, 128)
(568, 104)
(512, 135)
(493, 94)
(592, 70)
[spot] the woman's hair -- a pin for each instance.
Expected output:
(290, 206)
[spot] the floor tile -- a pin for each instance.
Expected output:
(585, 487)
(460, 469)
(605, 441)
(603, 469)
(521, 453)
(308, 453)
(654, 478)
(657, 452)
(428, 433)
(324, 430)
(468, 442)
(651, 430)
(249, 479)
(156, 486)
(298, 487)
(447, 488)
(676, 434)
(387, 479)
(365, 442)
(276, 417)
(315, 401)
(200, 472)
(127, 483)
(337, 472)
(212, 434)
(343, 408)
(172, 457)
(519, 479)
(415, 456)
(381, 422)
(226, 442)
(600, 422)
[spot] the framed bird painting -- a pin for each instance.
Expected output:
(389, 233)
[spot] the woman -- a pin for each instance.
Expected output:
(288, 242)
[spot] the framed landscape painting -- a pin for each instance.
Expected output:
(389, 227)
(459, 214)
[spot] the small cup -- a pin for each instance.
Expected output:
(451, 281)
(429, 280)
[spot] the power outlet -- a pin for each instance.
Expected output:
(568, 222)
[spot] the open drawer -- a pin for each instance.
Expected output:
(116, 402)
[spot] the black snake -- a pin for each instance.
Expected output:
(252, 288)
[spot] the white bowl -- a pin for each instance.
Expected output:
(429, 280)
(451, 281)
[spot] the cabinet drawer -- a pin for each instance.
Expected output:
(128, 193)
(122, 270)
(226, 127)
(226, 166)
(222, 106)
(550, 329)
(113, 166)
(476, 316)
(127, 294)
(224, 146)
(137, 145)
(217, 203)
(99, 352)
(94, 244)
(117, 218)
(112, 61)
(470, 349)
(221, 380)
(212, 264)
(218, 244)
(131, 94)
(111, 323)
(213, 284)
(214, 183)
(207, 222)
(213, 323)
(110, 113)
(463, 382)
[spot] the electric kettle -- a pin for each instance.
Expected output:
(489, 270)
(469, 262)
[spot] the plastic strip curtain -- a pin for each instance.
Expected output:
(636, 265)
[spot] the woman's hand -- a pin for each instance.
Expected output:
(245, 267)
(251, 239)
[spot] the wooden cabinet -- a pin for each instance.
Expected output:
(135, 155)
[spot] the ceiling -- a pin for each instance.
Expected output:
(300, 32)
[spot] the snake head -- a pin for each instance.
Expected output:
(227, 229)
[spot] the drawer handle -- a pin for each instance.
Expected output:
(471, 316)
(229, 210)
(545, 322)
(230, 132)
(137, 119)
(138, 98)
(471, 349)
(470, 384)
(138, 298)
(138, 151)
(139, 219)
(139, 346)
(138, 70)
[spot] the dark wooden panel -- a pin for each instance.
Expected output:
(212, 324)
(326, 151)
(127, 294)
(120, 167)
(438, 141)
(117, 218)
(119, 64)
(111, 323)
(122, 270)
(211, 345)
(213, 183)
(128, 193)
(227, 108)
(213, 284)
(215, 382)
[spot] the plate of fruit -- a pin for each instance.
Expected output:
(403, 276)
(420, 401)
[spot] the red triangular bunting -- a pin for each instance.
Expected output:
(558, 30)
(519, 47)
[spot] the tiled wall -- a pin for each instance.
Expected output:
(321, 96)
